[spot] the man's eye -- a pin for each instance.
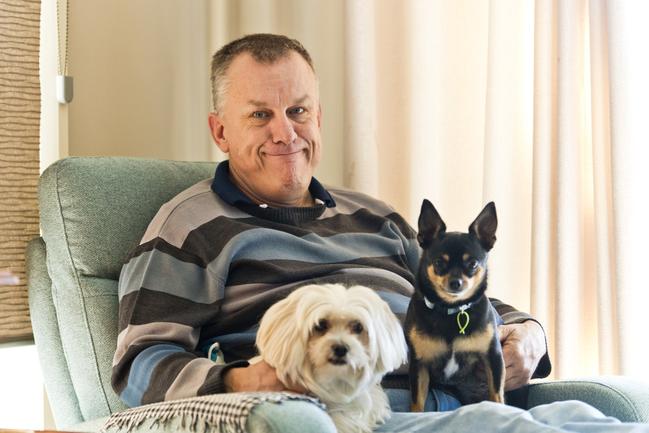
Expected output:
(259, 115)
(296, 111)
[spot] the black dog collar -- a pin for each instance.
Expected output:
(462, 317)
(449, 311)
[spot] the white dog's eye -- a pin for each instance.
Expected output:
(356, 327)
(321, 326)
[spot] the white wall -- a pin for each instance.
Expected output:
(140, 78)
(141, 72)
(22, 402)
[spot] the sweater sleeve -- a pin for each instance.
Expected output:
(408, 235)
(166, 296)
(511, 316)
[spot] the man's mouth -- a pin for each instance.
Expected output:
(283, 153)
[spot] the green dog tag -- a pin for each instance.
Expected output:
(462, 320)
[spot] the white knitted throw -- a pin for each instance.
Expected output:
(222, 413)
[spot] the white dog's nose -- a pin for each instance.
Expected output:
(340, 350)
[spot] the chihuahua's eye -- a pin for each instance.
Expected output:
(472, 264)
(439, 263)
(321, 326)
(356, 327)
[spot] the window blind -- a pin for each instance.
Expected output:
(19, 158)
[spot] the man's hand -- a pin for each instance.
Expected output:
(523, 347)
(256, 377)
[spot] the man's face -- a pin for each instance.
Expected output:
(270, 127)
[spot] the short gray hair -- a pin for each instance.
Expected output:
(263, 47)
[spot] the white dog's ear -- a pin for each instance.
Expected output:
(280, 340)
(392, 350)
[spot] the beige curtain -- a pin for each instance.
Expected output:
(625, 32)
(590, 98)
(19, 129)
(540, 106)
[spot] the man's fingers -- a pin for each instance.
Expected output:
(523, 345)
(274, 384)
(514, 377)
(511, 355)
(513, 362)
(296, 388)
(514, 382)
(504, 331)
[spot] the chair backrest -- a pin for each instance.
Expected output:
(93, 211)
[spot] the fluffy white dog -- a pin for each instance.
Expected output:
(338, 343)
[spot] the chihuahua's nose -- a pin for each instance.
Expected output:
(340, 350)
(455, 284)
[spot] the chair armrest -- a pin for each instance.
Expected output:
(58, 383)
(618, 396)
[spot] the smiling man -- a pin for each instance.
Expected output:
(269, 124)
(220, 253)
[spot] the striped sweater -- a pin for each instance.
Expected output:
(211, 262)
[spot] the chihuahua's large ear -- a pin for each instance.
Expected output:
(484, 226)
(431, 225)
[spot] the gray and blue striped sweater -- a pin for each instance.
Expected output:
(211, 262)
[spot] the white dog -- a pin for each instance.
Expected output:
(338, 343)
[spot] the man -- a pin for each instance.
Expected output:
(220, 253)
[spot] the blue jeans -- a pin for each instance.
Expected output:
(437, 401)
(485, 417)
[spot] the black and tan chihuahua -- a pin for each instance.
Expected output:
(451, 327)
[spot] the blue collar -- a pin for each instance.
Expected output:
(228, 191)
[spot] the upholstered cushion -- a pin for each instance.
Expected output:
(98, 208)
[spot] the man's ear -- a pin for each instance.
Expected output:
(431, 225)
(484, 226)
(217, 129)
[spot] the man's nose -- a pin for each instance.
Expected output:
(282, 130)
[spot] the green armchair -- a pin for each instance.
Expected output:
(93, 212)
